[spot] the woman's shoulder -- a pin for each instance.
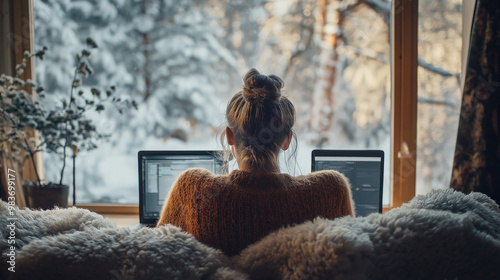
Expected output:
(196, 174)
(330, 177)
(200, 177)
(193, 180)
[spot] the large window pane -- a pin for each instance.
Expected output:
(183, 60)
(440, 52)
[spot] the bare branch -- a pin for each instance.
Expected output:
(379, 5)
(421, 99)
(384, 8)
(438, 70)
(367, 53)
(300, 50)
(32, 156)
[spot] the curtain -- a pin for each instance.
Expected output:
(476, 165)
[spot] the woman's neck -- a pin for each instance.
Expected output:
(268, 167)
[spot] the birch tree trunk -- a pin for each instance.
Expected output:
(329, 25)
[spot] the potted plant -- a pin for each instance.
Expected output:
(28, 127)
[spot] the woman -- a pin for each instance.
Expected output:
(230, 212)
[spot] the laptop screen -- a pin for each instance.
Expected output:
(158, 170)
(363, 168)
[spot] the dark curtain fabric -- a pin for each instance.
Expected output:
(476, 164)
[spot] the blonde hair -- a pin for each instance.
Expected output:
(261, 119)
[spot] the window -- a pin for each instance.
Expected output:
(276, 37)
(439, 93)
(183, 61)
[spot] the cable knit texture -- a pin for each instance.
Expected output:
(230, 212)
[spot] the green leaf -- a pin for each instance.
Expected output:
(99, 108)
(77, 83)
(39, 89)
(40, 54)
(96, 92)
(85, 53)
(88, 70)
(91, 43)
(80, 93)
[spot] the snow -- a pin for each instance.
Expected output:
(106, 9)
(83, 7)
(144, 24)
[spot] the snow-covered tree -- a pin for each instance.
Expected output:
(167, 54)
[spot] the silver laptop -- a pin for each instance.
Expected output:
(365, 171)
(158, 170)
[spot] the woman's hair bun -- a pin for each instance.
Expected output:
(260, 88)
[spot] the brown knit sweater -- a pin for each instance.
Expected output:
(230, 212)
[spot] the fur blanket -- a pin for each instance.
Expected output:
(442, 235)
(78, 244)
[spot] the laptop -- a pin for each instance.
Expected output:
(158, 170)
(365, 171)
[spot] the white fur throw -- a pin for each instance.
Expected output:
(442, 235)
(33, 224)
(120, 253)
(77, 244)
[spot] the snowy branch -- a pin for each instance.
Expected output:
(379, 5)
(383, 8)
(438, 70)
(367, 53)
(421, 99)
(300, 50)
(421, 62)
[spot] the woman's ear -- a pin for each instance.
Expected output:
(229, 136)
(288, 140)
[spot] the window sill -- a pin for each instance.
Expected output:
(387, 208)
(123, 220)
(119, 209)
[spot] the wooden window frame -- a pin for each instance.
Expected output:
(17, 33)
(18, 40)
(404, 40)
(404, 37)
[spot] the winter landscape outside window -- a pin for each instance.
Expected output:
(182, 60)
(439, 94)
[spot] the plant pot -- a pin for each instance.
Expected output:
(47, 196)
